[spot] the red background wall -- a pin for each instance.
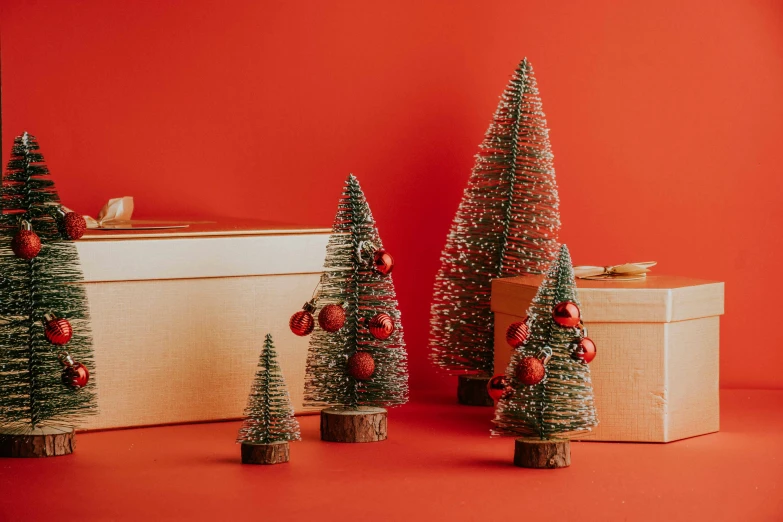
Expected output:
(665, 120)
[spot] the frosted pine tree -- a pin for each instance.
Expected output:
(506, 225)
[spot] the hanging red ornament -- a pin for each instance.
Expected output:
(75, 374)
(332, 317)
(71, 224)
(566, 314)
(530, 370)
(381, 326)
(302, 322)
(382, 262)
(498, 387)
(57, 330)
(585, 350)
(361, 366)
(26, 243)
(517, 333)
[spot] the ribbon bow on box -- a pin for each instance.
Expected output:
(626, 272)
(117, 214)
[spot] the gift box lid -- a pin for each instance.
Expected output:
(220, 248)
(656, 298)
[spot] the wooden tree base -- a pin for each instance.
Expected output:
(537, 453)
(274, 453)
(472, 390)
(364, 424)
(38, 442)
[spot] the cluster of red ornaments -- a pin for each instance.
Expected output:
(26, 244)
(531, 370)
(58, 331)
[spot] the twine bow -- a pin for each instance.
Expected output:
(117, 214)
(626, 272)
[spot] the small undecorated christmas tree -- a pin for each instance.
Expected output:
(269, 424)
(356, 360)
(549, 395)
(45, 337)
(506, 225)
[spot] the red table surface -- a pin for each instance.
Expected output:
(438, 464)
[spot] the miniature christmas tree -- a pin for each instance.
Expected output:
(506, 225)
(356, 360)
(548, 393)
(270, 422)
(45, 337)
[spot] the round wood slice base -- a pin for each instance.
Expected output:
(542, 454)
(472, 390)
(364, 424)
(274, 453)
(39, 442)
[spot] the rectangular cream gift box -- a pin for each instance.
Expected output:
(179, 316)
(656, 373)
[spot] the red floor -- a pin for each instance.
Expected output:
(439, 464)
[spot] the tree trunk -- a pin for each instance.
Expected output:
(273, 453)
(364, 424)
(472, 390)
(39, 442)
(538, 453)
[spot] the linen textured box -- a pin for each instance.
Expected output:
(656, 374)
(179, 316)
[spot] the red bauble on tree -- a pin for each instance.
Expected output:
(517, 333)
(75, 375)
(566, 314)
(57, 330)
(381, 326)
(71, 224)
(26, 244)
(585, 350)
(302, 322)
(498, 387)
(332, 317)
(382, 262)
(361, 366)
(530, 371)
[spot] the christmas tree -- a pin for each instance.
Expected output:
(269, 414)
(506, 225)
(44, 316)
(357, 358)
(549, 393)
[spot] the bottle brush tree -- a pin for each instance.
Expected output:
(549, 395)
(506, 225)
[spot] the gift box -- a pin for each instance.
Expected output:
(179, 316)
(656, 373)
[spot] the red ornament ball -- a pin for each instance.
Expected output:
(26, 244)
(498, 387)
(76, 375)
(57, 330)
(530, 371)
(361, 366)
(382, 262)
(566, 314)
(381, 326)
(332, 317)
(302, 323)
(585, 350)
(73, 225)
(517, 333)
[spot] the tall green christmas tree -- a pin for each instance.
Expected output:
(550, 394)
(269, 414)
(506, 225)
(40, 386)
(335, 374)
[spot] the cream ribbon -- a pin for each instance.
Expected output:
(626, 272)
(118, 211)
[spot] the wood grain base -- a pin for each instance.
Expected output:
(38, 442)
(542, 454)
(274, 453)
(364, 424)
(472, 390)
